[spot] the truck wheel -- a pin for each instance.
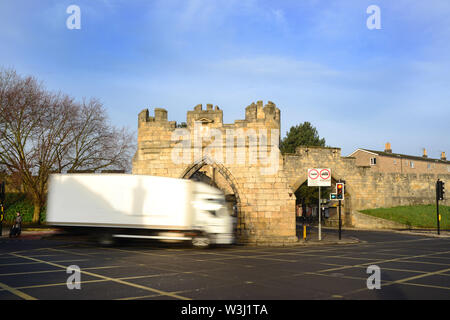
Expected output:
(105, 239)
(201, 241)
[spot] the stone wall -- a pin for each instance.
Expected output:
(364, 221)
(265, 199)
(365, 188)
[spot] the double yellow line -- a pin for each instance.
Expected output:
(28, 297)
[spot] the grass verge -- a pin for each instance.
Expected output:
(420, 216)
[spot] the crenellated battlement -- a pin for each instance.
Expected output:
(316, 151)
(211, 116)
(257, 115)
(160, 119)
(160, 115)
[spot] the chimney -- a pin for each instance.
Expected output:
(424, 153)
(387, 148)
(443, 156)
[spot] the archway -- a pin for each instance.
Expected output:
(217, 175)
(307, 202)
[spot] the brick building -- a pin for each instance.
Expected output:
(388, 162)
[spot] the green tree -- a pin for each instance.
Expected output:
(301, 135)
(304, 134)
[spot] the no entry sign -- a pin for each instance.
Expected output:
(319, 177)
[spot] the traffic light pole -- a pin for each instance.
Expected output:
(437, 209)
(437, 206)
(340, 220)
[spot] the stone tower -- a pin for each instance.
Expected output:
(242, 159)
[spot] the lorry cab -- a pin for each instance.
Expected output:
(212, 215)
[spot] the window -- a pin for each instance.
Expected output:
(412, 164)
(429, 166)
(373, 161)
(395, 161)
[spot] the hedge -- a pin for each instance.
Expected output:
(15, 202)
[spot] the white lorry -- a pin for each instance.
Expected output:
(139, 206)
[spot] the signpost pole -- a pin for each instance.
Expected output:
(320, 219)
(319, 177)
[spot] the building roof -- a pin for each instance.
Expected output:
(403, 156)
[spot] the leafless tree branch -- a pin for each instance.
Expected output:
(43, 132)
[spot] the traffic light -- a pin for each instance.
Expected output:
(339, 191)
(440, 189)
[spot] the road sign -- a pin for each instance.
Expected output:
(319, 177)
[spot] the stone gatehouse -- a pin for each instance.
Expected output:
(257, 179)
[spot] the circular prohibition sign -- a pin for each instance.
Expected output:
(325, 175)
(313, 174)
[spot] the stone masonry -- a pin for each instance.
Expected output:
(365, 187)
(265, 200)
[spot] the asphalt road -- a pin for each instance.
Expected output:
(412, 267)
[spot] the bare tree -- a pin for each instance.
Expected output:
(42, 132)
(96, 144)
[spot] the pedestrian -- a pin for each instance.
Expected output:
(16, 228)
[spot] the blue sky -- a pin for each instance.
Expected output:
(316, 60)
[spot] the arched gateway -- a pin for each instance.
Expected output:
(242, 159)
(224, 181)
